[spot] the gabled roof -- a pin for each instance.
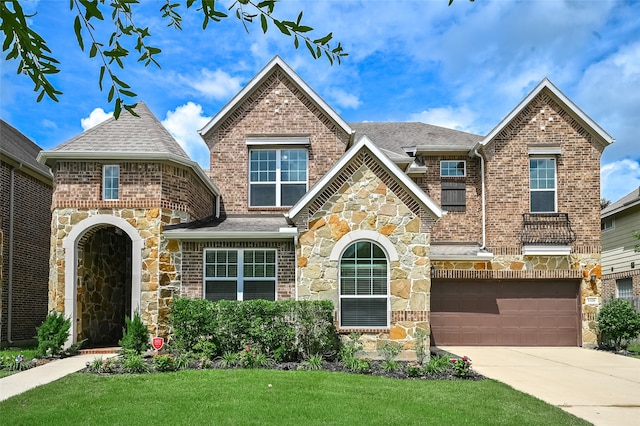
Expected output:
(141, 138)
(21, 149)
(247, 90)
(364, 142)
(630, 200)
(547, 86)
(398, 136)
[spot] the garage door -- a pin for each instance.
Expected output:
(505, 313)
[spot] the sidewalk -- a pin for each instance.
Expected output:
(23, 381)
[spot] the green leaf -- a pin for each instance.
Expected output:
(93, 50)
(263, 22)
(117, 108)
(111, 93)
(102, 68)
(77, 27)
(311, 49)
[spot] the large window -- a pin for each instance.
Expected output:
(277, 177)
(364, 296)
(110, 182)
(542, 183)
(240, 274)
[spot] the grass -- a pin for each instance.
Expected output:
(634, 349)
(258, 397)
(29, 354)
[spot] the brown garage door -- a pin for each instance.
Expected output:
(505, 313)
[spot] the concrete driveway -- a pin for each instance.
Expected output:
(599, 387)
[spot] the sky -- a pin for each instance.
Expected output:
(464, 66)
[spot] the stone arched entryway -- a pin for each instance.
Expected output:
(102, 278)
(103, 285)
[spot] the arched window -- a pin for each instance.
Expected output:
(364, 286)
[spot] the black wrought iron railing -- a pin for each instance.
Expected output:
(546, 229)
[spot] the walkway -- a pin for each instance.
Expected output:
(23, 381)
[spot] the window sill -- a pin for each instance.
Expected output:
(362, 330)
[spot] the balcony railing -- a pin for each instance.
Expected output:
(546, 229)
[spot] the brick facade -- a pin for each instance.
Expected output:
(78, 184)
(542, 122)
(276, 108)
(31, 235)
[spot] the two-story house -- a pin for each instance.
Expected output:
(25, 215)
(620, 248)
(404, 226)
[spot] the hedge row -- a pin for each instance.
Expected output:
(284, 330)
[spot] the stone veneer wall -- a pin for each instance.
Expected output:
(161, 260)
(578, 266)
(365, 202)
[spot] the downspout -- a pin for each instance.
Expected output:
(12, 181)
(217, 206)
(295, 268)
(484, 212)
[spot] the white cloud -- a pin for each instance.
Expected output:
(96, 117)
(183, 124)
(453, 118)
(343, 99)
(214, 84)
(619, 178)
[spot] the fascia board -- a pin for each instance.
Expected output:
(208, 235)
(344, 160)
(45, 157)
(255, 82)
(585, 120)
(621, 209)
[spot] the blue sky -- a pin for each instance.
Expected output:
(465, 66)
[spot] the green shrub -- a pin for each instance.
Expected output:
(52, 334)
(164, 363)
(437, 364)
(133, 362)
(283, 330)
(389, 352)
(135, 335)
(618, 323)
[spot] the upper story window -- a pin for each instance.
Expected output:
(277, 177)
(239, 274)
(110, 182)
(449, 168)
(542, 184)
(453, 193)
(364, 295)
(607, 224)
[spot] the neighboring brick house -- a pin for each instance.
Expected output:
(620, 253)
(25, 191)
(404, 226)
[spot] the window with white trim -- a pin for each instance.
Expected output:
(624, 288)
(277, 177)
(364, 286)
(607, 224)
(110, 182)
(239, 274)
(542, 184)
(449, 168)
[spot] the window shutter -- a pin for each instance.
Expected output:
(454, 196)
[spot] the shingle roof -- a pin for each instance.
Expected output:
(631, 198)
(395, 136)
(233, 223)
(20, 148)
(142, 134)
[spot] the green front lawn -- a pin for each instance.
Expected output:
(8, 356)
(251, 397)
